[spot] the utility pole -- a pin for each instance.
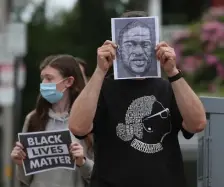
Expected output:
(3, 6)
(7, 120)
(155, 9)
(12, 46)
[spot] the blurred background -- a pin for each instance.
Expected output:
(32, 29)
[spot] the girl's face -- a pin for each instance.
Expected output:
(52, 75)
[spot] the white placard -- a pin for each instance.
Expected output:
(136, 38)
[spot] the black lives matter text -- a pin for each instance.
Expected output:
(46, 150)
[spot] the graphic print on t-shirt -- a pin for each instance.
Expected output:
(146, 125)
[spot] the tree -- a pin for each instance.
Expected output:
(79, 33)
(199, 50)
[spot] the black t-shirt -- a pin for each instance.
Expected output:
(136, 135)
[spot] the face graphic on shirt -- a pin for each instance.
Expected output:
(156, 124)
(146, 125)
(136, 50)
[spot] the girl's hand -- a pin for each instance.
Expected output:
(77, 152)
(17, 154)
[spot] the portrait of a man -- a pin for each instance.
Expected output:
(136, 48)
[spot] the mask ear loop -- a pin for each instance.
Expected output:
(64, 90)
(62, 81)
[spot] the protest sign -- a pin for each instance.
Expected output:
(46, 150)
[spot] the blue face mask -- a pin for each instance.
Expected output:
(50, 93)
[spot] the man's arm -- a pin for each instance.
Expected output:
(84, 108)
(189, 105)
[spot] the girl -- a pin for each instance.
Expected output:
(62, 81)
(83, 67)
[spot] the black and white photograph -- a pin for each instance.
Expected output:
(46, 150)
(136, 39)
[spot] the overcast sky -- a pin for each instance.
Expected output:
(61, 3)
(53, 6)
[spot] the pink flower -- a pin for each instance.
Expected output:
(190, 64)
(213, 13)
(179, 35)
(212, 31)
(204, 36)
(178, 50)
(217, 11)
(211, 59)
(220, 70)
(210, 25)
(210, 47)
(212, 88)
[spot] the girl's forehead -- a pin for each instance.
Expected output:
(50, 70)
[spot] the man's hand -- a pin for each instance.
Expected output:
(167, 57)
(105, 56)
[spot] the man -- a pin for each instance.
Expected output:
(135, 51)
(136, 122)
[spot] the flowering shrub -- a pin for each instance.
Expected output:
(200, 50)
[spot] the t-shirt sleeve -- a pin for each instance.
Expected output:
(100, 116)
(176, 118)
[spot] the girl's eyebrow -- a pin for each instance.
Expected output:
(46, 75)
